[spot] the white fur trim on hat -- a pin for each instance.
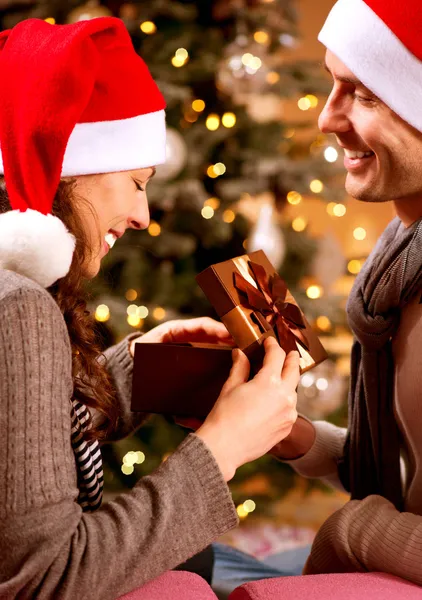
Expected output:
(364, 43)
(35, 245)
(111, 146)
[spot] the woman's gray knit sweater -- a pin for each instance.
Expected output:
(48, 547)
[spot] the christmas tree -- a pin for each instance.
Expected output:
(234, 163)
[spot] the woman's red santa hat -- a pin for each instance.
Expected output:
(380, 42)
(74, 100)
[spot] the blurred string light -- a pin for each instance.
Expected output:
(307, 102)
(294, 198)
(354, 266)
(299, 224)
(207, 212)
(219, 168)
(131, 295)
(142, 312)
(159, 313)
(102, 313)
(134, 320)
(148, 27)
(213, 202)
(251, 62)
(216, 170)
(336, 210)
(339, 210)
(323, 323)
(272, 77)
(198, 105)
(304, 103)
(131, 459)
(154, 229)
(180, 58)
(316, 186)
(229, 216)
(314, 291)
(330, 154)
(359, 233)
(213, 122)
(261, 37)
(243, 510)
(228, 120)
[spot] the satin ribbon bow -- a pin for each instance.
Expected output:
(269, 298)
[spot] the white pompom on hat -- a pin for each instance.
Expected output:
(380, 42)
(75, 100)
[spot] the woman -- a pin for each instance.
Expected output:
(81, 129)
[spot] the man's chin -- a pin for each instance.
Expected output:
(365, 192)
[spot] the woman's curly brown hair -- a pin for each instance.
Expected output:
(92, 383)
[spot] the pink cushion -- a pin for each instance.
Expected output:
(344, 586)
(173, 585)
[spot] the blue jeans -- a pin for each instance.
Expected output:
(233, 567)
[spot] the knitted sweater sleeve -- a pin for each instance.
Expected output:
(320, 462)
(49, 548)
(369, 535)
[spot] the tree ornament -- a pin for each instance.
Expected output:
(268, 236)
(91, 10)
(176, 156)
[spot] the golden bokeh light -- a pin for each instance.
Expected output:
(213, 202)
(213, 122)
(299, 224)
(229, 216)
(148, 27)
(131, 295)
(354, 266)
(359, 234)
(314, 291)
(154, 229)
(102, 313)
(323, 323)
(207, 212)
(158, 313)
(228, 120)
(294, 198)
(316, 186)
(198, 105)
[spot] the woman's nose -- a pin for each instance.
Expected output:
(139, 216)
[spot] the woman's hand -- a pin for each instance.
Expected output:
(251, 417)
(202, 330)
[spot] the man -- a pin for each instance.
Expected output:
(374, 54)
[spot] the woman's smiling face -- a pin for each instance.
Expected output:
(115, 202)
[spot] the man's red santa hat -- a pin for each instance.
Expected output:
(74, 100)
(380, 42)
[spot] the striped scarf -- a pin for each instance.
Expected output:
(88, 460)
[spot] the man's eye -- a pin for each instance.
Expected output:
(140, 188)
(363, 99)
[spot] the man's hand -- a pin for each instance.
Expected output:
(202, 330)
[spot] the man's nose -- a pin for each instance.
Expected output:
(333, 118)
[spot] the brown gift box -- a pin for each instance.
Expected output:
(254, 303)
(179, 379)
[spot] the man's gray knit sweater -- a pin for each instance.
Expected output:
(49, 548)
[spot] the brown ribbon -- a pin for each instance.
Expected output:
(269, 299)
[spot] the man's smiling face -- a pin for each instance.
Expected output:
(383, 153)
